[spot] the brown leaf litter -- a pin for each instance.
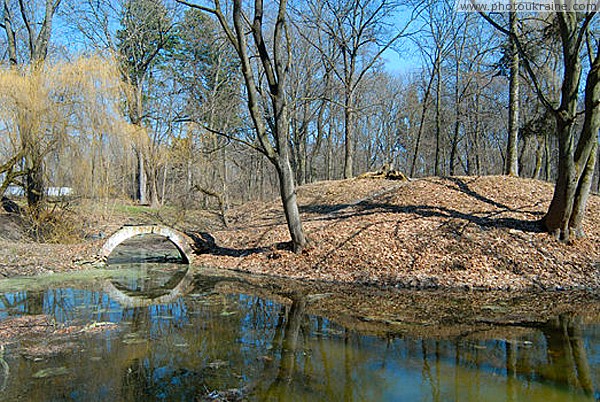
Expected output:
(458, 232)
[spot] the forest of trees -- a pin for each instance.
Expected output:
(212, 103)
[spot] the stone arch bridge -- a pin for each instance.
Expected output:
(181, 241)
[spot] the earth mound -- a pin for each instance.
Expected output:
(456, 232)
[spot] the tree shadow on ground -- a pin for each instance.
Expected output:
(323, 208)
(490, 219)
(427, 211)
(464, 188)
(205, 243)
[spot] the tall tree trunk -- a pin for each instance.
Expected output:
(548, 153)
(539, 156)
(163, 193)
(285, 173)
(34, 185)
(142, 193)
(349, 117)
(153, 187)
(512, 159)
(597, 170)
(582, 193)
(438, 122)
(301, 157)
(456, 135)
(558, 216)
(421, 126)
(316, 148)
(33, 161)
(329, 155)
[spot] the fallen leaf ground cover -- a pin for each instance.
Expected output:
(459, 232)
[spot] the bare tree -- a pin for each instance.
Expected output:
(577, 153)
(273, 138)
(436, 41)
(145, 34)
(512, 156)
(359, 35)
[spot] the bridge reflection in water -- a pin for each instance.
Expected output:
(147, 293)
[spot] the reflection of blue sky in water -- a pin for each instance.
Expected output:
(209, 341)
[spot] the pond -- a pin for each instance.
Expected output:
(165, 332)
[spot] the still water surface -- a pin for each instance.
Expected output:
(161, 332)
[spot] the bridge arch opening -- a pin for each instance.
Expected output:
(181, 241)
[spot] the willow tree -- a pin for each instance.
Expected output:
(269, 114)
(54, 104)
(576, 150)
(29, 55)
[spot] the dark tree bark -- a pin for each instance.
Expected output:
(10, 35)
(512, 159)
(349, 119)
(142, 194)
(289, 346)
(438, 120)
(425, 102)
(576, 160)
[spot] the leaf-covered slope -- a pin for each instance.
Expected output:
(475, 232)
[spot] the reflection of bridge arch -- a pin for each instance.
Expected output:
(180, 240)
(130, 299)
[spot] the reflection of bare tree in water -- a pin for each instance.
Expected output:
(136, 381)
(34, 304)
(140, 319)
(348, 366)
(432, 378)
(567, 358)
(279, 388)
(511, 370)
(4, 370)
(137, 375)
